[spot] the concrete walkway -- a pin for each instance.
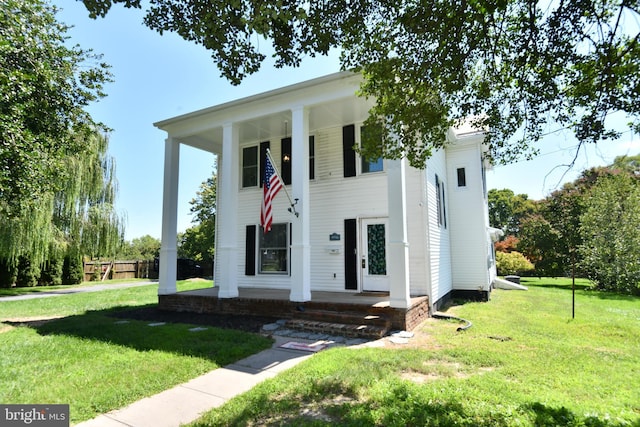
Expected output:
(187, 402)
(76, 290)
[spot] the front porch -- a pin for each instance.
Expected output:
(354, 314)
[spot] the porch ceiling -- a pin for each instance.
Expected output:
(338, 112)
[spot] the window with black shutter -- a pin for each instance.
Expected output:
(348, 153)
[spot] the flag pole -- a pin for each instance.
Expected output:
(292, 209)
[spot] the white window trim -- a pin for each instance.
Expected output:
(286, 248)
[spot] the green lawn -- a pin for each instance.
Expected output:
(524, 362)
(96, 362)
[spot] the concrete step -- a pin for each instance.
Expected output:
(355, 330)
(346, 317)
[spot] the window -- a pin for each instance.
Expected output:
(368, 165)
(440, 203)
(462, 178)
(250, 166)
(273, 250)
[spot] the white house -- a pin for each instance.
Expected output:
(356, 226)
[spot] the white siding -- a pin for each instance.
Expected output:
(469, 219)
(333, 199)
(417, 232)
(439, 237)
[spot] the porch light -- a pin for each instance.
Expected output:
(286, 158)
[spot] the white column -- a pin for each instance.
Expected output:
(227, 205)
(300, 247)
(399, 292)
(168, 248)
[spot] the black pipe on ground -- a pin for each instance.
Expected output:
(467, 324)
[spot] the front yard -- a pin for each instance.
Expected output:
(524, 362)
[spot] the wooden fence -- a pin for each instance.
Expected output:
(103, 270)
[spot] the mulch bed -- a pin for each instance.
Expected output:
(227, 321)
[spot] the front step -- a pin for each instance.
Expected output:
(343, 323)
(346, 317)
(341, 329)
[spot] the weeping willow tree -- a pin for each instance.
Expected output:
(79, 220)
(57, 184)
(84, 213)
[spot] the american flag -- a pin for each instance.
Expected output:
(272, 184)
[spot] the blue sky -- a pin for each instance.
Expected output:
(158, 77)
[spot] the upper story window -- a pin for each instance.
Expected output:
(367, 165)
(462, 177)
(349, 157)
(250, 166)
(253, 164)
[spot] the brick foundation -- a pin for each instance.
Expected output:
(399, 318)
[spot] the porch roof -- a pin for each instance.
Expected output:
(331, 101)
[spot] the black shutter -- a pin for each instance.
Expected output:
(312, 157)
(250, 251)
(350, 254)
(285, 168)
(263, 155)
(348, 153)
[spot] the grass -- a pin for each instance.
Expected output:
(524, 362)
(97, 363)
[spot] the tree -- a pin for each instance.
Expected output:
(81, 220)
(510, 67)
(541, 243)
(142, 248)
(57, 183)
(611, 237)
(198, 241)
(44, 89)
(507, 209)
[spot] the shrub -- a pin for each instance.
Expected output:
(28, 272)
(72, 271)
(52, 272)
(508, 244)
(512, 263)
(7, 274)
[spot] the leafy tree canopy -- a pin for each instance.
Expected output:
(198, 241)
(141, 248)
(510, 66)
(611, 237)
(44, 87)
(506, 210)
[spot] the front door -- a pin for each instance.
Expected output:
(373, 254)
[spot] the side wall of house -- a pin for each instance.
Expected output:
(439, 238)
(470, 247)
